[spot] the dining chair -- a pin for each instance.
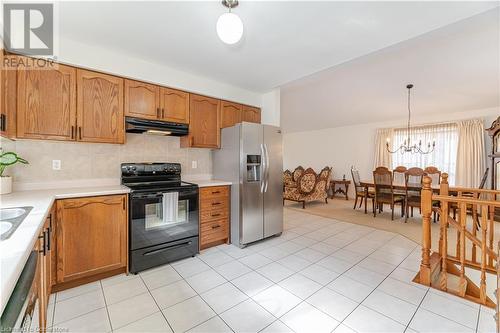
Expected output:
(413, 185)
(398, 178)
(434, 173)
(384, 192)
(360, 190)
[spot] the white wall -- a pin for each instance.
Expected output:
(271, 103)
(342, 147)
(113, 62)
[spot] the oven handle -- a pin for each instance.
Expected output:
(167, 248)
(160, 194)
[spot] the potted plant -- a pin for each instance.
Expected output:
(8, 159)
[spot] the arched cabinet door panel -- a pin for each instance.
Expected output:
(174, 105)
(230, 114)
(204, 123)
(100, 108)
(142, 100)
(46, 103)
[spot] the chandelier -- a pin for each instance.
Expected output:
(407, 146)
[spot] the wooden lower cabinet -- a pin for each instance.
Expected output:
(214, 216)
(91, 236)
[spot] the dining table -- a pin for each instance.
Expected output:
(397, 187)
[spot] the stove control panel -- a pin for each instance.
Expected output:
(145, 169)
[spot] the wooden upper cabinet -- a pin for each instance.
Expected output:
(91, 236)
(204, 124)
(46, 100)
(8, 99)
(230, 114)
(250, 114)
(100, 107)
(174, 105)
(141, 100)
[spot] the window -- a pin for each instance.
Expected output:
(444, 157)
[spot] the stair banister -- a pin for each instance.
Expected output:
(443, 190)
(426, 204)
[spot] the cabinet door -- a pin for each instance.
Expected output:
(141, 100)
(204, 123)
(46, 103)
(174, 105)
(230, 114)
(251, 114)
(100, 108)
(8, 93)
(91, 236)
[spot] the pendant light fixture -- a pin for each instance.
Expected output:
(229, 25)
(407, 146)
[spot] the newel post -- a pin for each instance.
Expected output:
(444, 188)
(426, 204)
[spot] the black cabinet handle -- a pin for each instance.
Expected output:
(216, 226)
(215, 192)
(3, 123)
(80, 132)
(215, 215)
(49, 231)
(158, 112)
(215, 203)
(72, 132)
(163, 113)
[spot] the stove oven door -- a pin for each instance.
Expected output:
(162, 217)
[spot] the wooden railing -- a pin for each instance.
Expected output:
(470, 214)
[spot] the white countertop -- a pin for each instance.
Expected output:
(210, 182)
(14, 252)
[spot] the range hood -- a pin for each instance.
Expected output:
(136, 125)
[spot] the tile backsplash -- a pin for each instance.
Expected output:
(81, 161)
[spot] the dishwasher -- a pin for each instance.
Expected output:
(22, 310)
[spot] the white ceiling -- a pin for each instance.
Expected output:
(455, 68)
(283, 40)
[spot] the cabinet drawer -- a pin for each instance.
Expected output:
(214, 214)
(214, 192)
(214, 204)
(214, 231)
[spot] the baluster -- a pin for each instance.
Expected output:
(484, 226)
(491, 228)
(475, 225)
(460, 212)
(444, 244)
(463, 221)
(426, 206)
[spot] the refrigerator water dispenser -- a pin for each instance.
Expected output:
(253, 168)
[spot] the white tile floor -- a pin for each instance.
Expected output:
(321, 275)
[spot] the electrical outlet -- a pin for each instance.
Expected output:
(56, 164)
(194, 164)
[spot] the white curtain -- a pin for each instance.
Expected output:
(444, 156)
(471, 162)
(382, 156)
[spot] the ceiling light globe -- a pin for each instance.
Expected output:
(229, 28)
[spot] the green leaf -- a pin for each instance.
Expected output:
(8, 158)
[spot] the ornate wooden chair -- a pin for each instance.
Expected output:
(384, 192)
(434, 173)
(360, 190)
(398, 178)
(413, 184)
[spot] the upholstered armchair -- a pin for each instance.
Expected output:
(290, 178)
(309, 187)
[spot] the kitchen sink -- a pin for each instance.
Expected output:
(10, 219)
(11, 213)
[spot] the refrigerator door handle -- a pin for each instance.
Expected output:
(267, 169)
(262, 168)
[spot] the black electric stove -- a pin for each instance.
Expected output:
(163, 214)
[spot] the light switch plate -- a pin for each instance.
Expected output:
(56, 164)
(194, 164)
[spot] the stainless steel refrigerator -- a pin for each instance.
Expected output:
(251, 158)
